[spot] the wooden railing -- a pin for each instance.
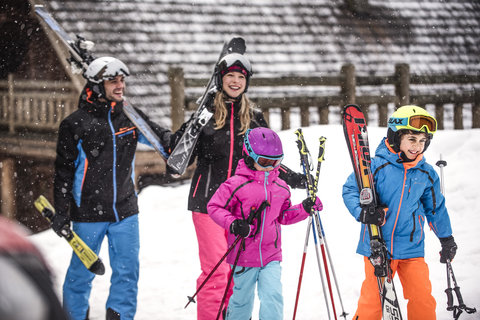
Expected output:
(347, 85)
(37, 105)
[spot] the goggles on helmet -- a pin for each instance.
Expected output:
(423, 123)
(234, 59)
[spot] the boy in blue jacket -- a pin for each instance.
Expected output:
(408, 190)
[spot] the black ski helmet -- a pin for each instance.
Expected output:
(233, 62)
(410, 118)
(101, 69)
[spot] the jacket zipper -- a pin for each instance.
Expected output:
(114, 170)
(208, 180)
(265, 183)
(232, 140)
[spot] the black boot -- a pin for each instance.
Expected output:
(88, 313)
(112, 315)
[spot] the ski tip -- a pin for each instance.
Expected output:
(97, 267)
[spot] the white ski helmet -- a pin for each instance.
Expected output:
(233, 62)
(105, 68)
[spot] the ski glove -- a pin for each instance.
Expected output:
(60, 223)
(373, 215)
(240, 228)
(449, 249)
(294, 179)
(308, 205)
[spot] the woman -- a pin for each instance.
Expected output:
(218, 150)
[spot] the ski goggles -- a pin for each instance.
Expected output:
(268, 162)
(417, 123)
(262, 161)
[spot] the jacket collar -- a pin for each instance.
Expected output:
(385, 151)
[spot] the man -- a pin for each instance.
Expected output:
(94, 188)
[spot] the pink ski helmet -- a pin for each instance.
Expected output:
(263, 146)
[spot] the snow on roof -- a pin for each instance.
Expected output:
(295, 37)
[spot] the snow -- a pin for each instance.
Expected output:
(169, 255)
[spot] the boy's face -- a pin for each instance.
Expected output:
(114, 89)
(413, 144)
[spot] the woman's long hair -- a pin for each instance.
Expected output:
(245, 114)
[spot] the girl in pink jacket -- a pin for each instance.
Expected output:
(255, 181)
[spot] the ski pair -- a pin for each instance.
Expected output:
(86, 255)
(254, 214)
(181, 154)
(356, 135)
(312, 188)
(80, 58)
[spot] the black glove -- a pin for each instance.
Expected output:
(373, 215)
(60, 222)
(240, 228)
(449, 249)
(308, 204)
(294, 179)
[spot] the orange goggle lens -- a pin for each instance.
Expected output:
(418, 122)
(267, 162)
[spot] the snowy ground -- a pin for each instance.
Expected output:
(169, 254)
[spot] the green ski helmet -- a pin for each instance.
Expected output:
(411, 118)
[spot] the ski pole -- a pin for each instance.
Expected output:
(192, 298)
(254, 213)
(321, 158)
(457, 310)
(305, 246)
(311, 191)
(232, 246)
(344, 314)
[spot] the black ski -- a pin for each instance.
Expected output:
(356, 135)
(180, 156)
(80, 58)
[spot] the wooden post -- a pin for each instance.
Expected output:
(458, 116)
(323, 114)
(402, 84)
(8, 203)
(382, 114)
(266, 115)
(177, 101)
(285, 118)
(348, 83)
(476, 110)
(439, 115)
(11, 105)
(304, 116)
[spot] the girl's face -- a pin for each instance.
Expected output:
(234, 84)
(413, 144)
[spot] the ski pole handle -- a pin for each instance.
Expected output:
(448, 291)
(302, 146)
(441, 164)
(321, 150)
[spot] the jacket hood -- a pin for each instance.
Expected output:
(384, 151)
(243, 170)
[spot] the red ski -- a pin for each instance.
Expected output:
(356, 136)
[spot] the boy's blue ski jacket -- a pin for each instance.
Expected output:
(411, 191)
